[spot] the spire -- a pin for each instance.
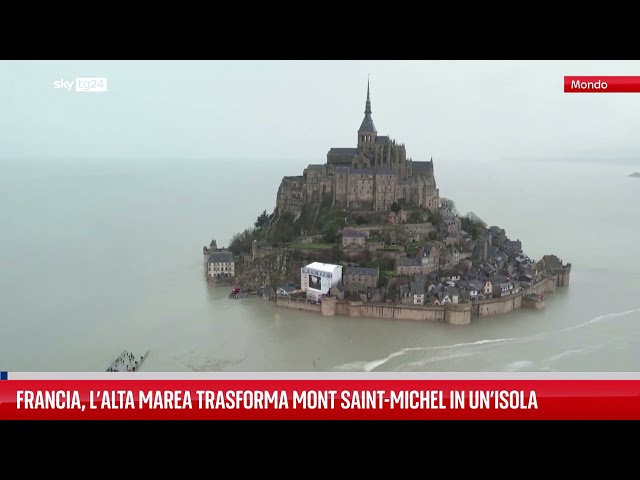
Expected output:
(367, 123)
(367, 110)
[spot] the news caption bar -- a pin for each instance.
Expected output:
(608, 84)
(313, 396)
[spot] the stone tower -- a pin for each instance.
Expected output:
(367, 132)
(213, 245)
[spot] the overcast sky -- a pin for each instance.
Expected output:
(468, 110)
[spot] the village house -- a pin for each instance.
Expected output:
(513, 247)
(359, 278)
(498, 236)
(429, 258)
(454, 294)
(525, 281)
(487, 290)
(449, 275)
(502, 286)
(489, 270)
(221, 265)
(418, 291)
(375, 295)
(410, 266)
(474, 290)
(451, 226)
(354, 238)
(404, 294)
(440, 297)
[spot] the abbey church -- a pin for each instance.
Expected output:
(368, 177)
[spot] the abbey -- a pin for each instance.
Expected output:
(369, 177)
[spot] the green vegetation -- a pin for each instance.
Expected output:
(242, 242)
(412, 248)
(416, 215)
(395, 207)
(263, 220)
(473, 225)
(330, 234)
(436, 219)
(448, 205)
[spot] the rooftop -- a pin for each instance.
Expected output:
(371, 272)
(324, 267)
(343, 151)
(408, 262)
(220, 257)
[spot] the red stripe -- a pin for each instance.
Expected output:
(554, 399)
(602, 84)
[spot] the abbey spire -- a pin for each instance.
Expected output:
(367, 132)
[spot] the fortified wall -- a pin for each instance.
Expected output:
(454, 314)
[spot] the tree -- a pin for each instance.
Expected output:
(473, 225)
(475, 219)
(241, 242)
(448, 205)
(415, 216)
(330, 235)
(360, 220)
(263, 219)
(395, 207)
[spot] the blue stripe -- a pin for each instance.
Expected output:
(4, 375)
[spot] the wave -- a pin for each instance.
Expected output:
(565, 354)
(599, 318)
(518, 365)
(371, 365)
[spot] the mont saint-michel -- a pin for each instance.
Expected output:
(367, 234)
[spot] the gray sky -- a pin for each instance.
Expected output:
(467, 110)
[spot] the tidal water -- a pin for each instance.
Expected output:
(98, 256)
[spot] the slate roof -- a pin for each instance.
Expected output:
(343, 151)
(220, 257)
(420, 167)
(408, 262)
(367, 124)
(370, 272)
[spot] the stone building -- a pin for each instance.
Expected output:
(353, 238)
(221, 265)
(410, 266)
(360, 278)
(429, 258)
(368, 177)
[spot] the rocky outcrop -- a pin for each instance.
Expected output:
(280, 268)
(276, 269)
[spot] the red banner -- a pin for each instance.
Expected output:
(320, 399)
(595, 84)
